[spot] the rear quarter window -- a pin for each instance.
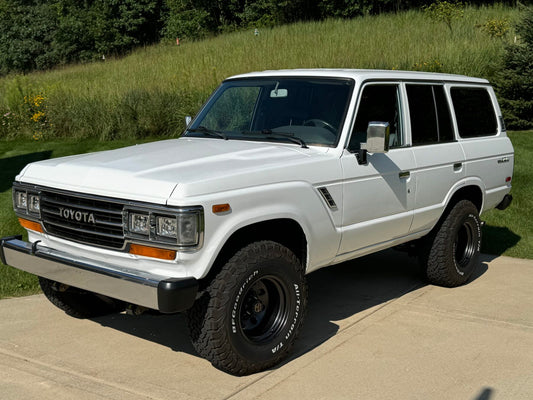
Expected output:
(474, 112)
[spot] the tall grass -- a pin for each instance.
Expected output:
(150, 91)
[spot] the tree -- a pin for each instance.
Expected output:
(26, 33)
(514, 83)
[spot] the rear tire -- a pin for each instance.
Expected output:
(250, 314)
(450, 252)
(78, 303)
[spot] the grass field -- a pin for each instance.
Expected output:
(149, 92)
(509, 232)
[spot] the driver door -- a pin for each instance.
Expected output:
(378, 197)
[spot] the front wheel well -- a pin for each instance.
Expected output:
(284, 231)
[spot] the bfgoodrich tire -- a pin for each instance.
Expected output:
(450, 255)
(249, 316)
(78, 303)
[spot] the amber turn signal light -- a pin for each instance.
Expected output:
(31, 225)
(155, 252)
(221, 208)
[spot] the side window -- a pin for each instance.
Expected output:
(430, 114)
(474, 112)
(378, 103)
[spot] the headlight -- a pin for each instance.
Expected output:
(182, 228)
(139, 223)
(26, 202)
(34, 203)
(21, 200)
(167, 227)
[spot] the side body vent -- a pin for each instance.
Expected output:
(327, 197)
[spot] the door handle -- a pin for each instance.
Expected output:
(457, 166)
(404, 174)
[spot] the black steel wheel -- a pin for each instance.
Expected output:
(264, 310)
(250, 314)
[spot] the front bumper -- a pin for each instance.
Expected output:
(165, 294)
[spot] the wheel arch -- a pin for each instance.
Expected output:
(285, 231)
(470, 192)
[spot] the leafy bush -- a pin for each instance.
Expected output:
(496, 27)
(445, 11)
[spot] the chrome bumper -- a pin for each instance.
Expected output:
(165, 294)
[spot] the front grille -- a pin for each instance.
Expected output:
(82, 219)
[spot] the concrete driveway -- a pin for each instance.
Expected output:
(374, 330)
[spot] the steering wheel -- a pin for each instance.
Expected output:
(320, 123)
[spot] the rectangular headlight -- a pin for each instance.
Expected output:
(139, 223)
(167, 227)
(34, 203)
(21, 200)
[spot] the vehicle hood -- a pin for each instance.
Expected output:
(179, 168)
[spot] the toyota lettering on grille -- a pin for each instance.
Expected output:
(76, 215)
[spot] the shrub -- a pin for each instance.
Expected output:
(445, 11)
(496, 27)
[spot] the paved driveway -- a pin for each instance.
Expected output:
(374, 331)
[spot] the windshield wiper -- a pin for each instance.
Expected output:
(279, 135)
(207, 131)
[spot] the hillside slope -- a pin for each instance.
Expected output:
(149, 92)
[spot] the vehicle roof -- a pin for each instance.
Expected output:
(363, 75)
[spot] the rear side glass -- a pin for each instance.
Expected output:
(430, 114)
(474, 112)
(443, 115)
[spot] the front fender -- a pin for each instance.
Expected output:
(298, 201)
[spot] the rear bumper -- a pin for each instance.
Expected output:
(165, 294)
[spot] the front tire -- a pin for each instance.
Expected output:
(250, 314)
(450, 254)
(78, 303)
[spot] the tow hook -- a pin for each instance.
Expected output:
(135, 310)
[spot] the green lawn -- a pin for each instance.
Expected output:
(507, 232)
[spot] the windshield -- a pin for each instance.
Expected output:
(304, 111)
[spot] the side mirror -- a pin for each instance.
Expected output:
(377, 140)
(377, 137)
(188, 120)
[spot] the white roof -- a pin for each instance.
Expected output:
(363, 74)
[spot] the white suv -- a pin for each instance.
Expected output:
(279, 174)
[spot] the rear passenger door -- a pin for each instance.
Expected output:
(438, 155)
